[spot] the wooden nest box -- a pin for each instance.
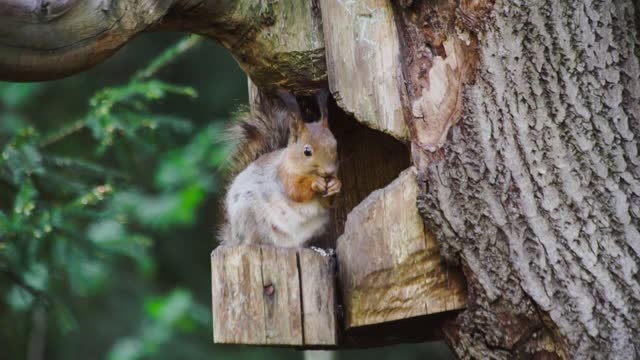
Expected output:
(389, 270)
(387, 278)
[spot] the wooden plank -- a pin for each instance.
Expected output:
(364, 62)
(281, 297)
(236, 284)
(318, 300)
(389, 266)
(263, 295)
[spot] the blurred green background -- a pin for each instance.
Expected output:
(109, 186)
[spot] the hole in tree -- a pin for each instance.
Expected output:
(309, 108)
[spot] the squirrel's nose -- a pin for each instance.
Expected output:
(328, 172)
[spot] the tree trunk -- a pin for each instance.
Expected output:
(521, 117)
(538, 193)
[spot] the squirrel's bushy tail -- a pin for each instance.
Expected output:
(253, 134)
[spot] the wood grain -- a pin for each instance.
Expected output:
(363, 62)
(281, 290)
(264, 295)
(389, 266)
(317, 277)
(236, 283)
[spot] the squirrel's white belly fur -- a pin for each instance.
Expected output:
(260, 212)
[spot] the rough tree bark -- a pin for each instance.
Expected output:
(538, 195)
(535, 191)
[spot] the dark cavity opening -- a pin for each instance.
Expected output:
(368, 160)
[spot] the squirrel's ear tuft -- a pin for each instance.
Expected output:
(296, 124)
(322, 96)
(296, 127)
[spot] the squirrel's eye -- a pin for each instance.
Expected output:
(307, 150)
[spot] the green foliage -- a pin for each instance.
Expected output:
(166, 315)
(69, 218)
(124, 110)
(108, 208)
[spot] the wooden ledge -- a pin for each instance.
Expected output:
(390, 267)
(273, 296)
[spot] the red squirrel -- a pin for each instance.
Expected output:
(281, 197)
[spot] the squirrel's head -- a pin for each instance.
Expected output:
(312, 149)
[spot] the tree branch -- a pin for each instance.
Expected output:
(84, 33)
(279, 44)
(18, 280)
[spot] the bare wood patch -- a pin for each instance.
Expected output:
(439, 55)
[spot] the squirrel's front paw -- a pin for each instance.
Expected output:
(333, 186)
(319, 185)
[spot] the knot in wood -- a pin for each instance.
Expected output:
(269, 290)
